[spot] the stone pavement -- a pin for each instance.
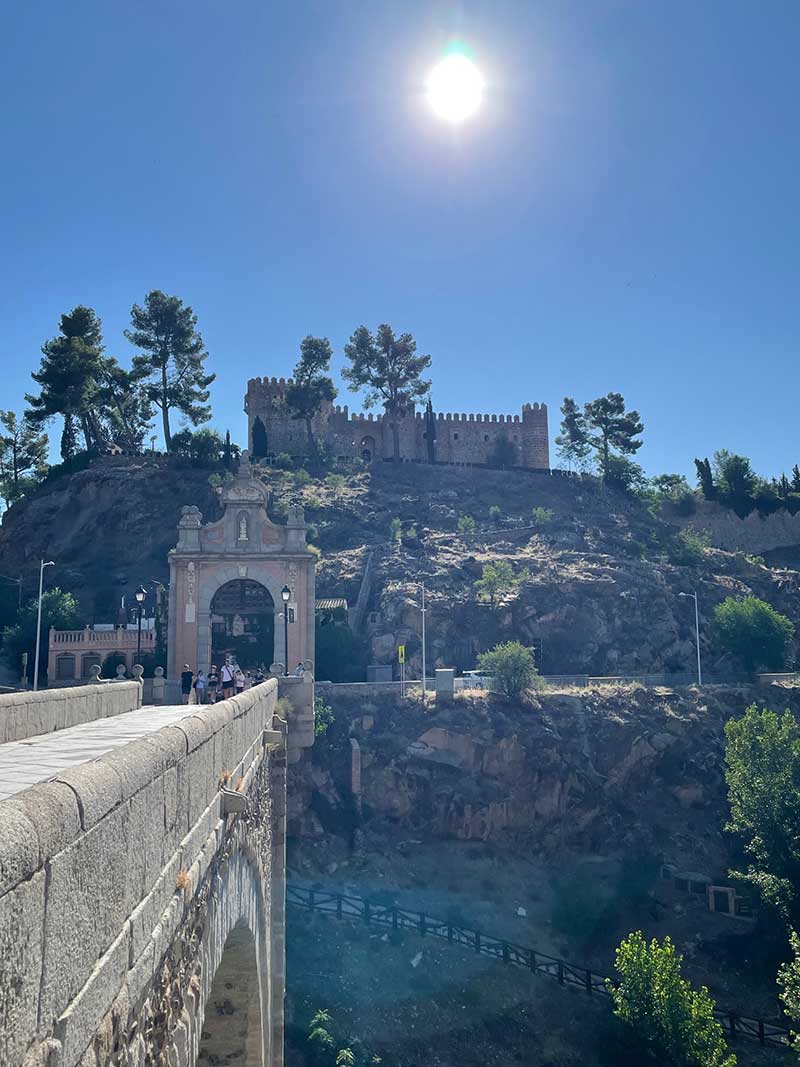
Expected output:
(38, 759)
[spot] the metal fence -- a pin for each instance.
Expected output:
(390, 917)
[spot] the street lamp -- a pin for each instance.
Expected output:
(42, 565)
(140, 594)
(693, 596)
(424, 672)
(286, 596)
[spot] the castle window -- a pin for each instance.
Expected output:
(455, 436)
(486, 437)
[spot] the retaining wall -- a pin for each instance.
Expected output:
(90, 901)
(30, 714)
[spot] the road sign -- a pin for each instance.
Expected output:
(401, 653)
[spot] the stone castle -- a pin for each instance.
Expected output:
(429, 437)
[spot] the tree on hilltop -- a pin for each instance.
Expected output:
(512, 666)
(172, 359)
(69, 375)
(23, 455)
(389, 369)
(312, 385)
(125, 404)
(736, 481)
(705, 479)
(666, 1021)
(604, 426)
(572, 443)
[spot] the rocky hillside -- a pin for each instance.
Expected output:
(596, 575)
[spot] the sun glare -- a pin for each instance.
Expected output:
(455, 88)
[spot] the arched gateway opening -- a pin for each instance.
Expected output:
(243, 624)
(232, 1033)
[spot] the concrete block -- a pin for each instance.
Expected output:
(21, 948)
(19, 844)
(77, 1026)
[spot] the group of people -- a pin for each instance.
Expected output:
(220, 684)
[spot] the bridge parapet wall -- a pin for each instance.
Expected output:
(121, 879)
(30, 714)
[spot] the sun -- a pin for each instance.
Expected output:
(455, 88)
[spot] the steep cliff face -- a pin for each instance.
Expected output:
(597, 576)
(613, 771)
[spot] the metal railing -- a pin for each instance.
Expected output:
(391, 917)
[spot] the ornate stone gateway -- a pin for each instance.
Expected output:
(229, 580)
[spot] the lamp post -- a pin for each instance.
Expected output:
(42, 565)
(424, 671)
(140, 594)
(286, 596)
(693, 596)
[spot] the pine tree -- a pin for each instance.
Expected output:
(795, 479)
(614, 428)
(69, 442)
(389, 369)
(573, 441)
(173, 358)
(23, 455)
(312, 385)
(70, 374)
(705, 479)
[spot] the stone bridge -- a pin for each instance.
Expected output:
(142, 876)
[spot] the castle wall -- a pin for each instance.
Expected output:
(460, 438)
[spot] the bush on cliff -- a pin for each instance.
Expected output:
(753, 633)
(512, 666)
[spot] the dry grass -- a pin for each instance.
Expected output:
(183, 881)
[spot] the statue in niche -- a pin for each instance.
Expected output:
(242, 528)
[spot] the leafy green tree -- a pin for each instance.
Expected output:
(512, 666)
(670, 485)
(59, 610)
(495, 513)
(705, 479)
(467, 526)
(312, 386)
(172, 359)
(541, 516)
(626, 476)
(762, 756)
(23, 455)
(396, 530)
(754, 633)
(497, 578)
(736, 481)
(572, 443)
(672, 1023)
(202, 448)
(609, 426)
(69, 375)
(336, 483)
(789, 982)
(389, 369)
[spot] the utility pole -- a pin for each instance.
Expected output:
(42, 566)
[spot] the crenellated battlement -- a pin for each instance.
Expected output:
(460, 437)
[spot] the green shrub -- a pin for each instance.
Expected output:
(283, 461)
(301, 477)
(687, 548)
(313, 502)
(323, 717)
(753, 633)
(396, 530)
(541, 516)
(467, 526)
(512, 666)
(495, 514)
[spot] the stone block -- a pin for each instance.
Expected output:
(98, 789)
(147, 914)
(78, 1025)
(137, 764)
(19, 845)
(53, 809)
(21, 947)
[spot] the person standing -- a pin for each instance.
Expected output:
(187, 677)
(299, 670)
(238, 679)
(200, 687)
(226, 678)
(213, 683)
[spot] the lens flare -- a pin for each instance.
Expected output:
(455, 88)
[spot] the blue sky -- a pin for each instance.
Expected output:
(622, 214)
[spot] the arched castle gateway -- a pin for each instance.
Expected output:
(226, 580)
(429, 437)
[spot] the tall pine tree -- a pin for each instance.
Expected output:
(172, 359)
